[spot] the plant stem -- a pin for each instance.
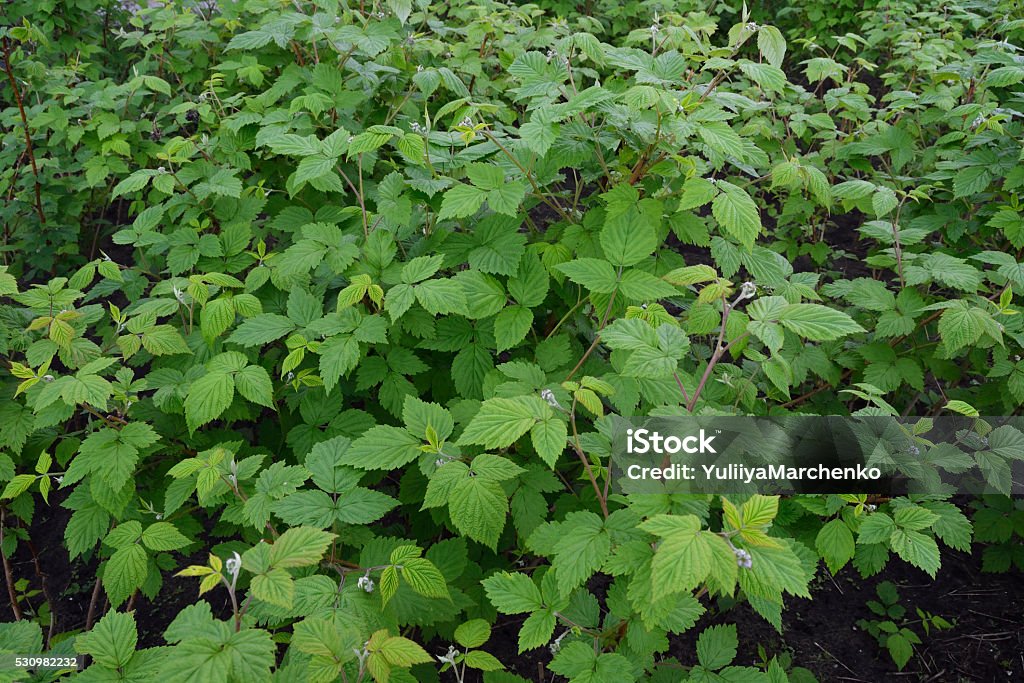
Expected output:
(28, 135)
(586, 461)
(597, 337)
(8, 575)
(529, 177)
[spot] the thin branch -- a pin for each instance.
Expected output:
(8, 575)
(28, 135)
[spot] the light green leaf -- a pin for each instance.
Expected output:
(817, 322)
(771, 45)
(511, 326)
(163, 536)
(261, 329)
(716, 646)
(299, 547)
(737, 213)
(917, 549)
(627, 238)
(274, 586)
(473, 633)
(835, 543)
(596, 275)
(383, 448)
(478, 508)
(124, 572)
(500, 421)
(254, 384)
(208, 397)
(461, 201)
(112, 641)
(512, 593)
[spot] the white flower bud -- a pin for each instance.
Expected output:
(549, 396)
(449, 657)
(233, 565)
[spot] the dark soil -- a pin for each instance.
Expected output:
(848, 250)
(70, 585)
(986, 642)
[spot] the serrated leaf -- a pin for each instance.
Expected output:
(208, 397)
(299, 547)
(917, 549)
(111, 642)
(163, 536)
(737, 213)
(835, 543)
(512, 593)
(382, 448)
(817, 322)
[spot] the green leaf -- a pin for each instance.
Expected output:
(403, 652)
(363, 506)
(473, 633)
(441, 296)
(261, 329)
(512, 593)
(721, 138)
(900, 649)
(876, 528)
(420, 268)
(383, 448)
(626, 239)
(420, 416)
(737, 213)
(254, 384)
(583, 548)
(596, 275)
(835, 543)
(478, 659)
(537, 630)
(549, 439)
(163, 536)
(17, 486)
(917, 549)
(314, 166)
(579, 663)
(914, 517)
(339, 355)
(511, 326)
(299, 547)
(883, 201)
(164, 340)
(478, 508)
(716, 646)
(208, 397)
(461, 201)
(506, 198)
(771, 79)
(112, 641)
(500, 421)
(817, 322)
(274, 586)
(124, 572)
(962, 325)
(771, 45)
(424, 578)
(684, 557)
